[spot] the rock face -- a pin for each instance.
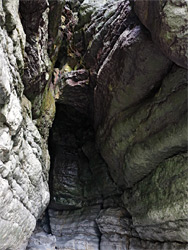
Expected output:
(167, 22)
(138, 146)
(151, 201)
(113, 75)
(24, 157)
(75, 229)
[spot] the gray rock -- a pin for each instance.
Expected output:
(124, 87)
(114, 226)
(41, 241)
(5, 79)
(114, 242)
(158, 204)
(167, 22)
(75, 230)
(23, 184)
(137, 131)
(118, 92)
(136, 244)
(24, 158)
(114, 221)
(2, 15)
(79, 175)
(34, 16)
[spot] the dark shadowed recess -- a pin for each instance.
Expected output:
(79, 177)
(70, 131)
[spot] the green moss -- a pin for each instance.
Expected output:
(48, 103)
(47, 112)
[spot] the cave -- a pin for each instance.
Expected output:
(93, 125)
(80, 183)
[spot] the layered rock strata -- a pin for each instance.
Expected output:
(136, 90)
(24, 157)
(113, 74)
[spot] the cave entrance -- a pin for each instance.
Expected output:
(70, 172)
(80, 182)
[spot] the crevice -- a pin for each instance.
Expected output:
(45, 222)
(75, 184)
(164, 4)
(99, 234)
(162, 242)
(100, 239)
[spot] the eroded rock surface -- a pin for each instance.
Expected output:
(113, 75)
(167, 22)
(24, 157)
(140, 138)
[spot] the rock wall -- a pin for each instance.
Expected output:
(24, 157)
(113, 73)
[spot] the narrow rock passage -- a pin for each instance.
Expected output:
(93, 125)
(117, 148)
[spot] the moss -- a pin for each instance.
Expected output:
(47, 112)
(48, 102)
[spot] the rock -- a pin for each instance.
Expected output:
(15, 29)
(2, 15)
(41, 241)
(114, 226)
(5, 79)
(55, 33)
(101, 33)
(41, 53)
(118, 92)
(118, 177)
(136, 244)
(79, 175)
(75, 230)
(114, 220)
(101, 180)
(12, 112)
(47, 111)
(150, 202)
(113, 242)
(67, 137)
(24, 158)
(167, 22)
(73, 90)
(23, 181)
(137, 133)
(164, 146)
(34, 16)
